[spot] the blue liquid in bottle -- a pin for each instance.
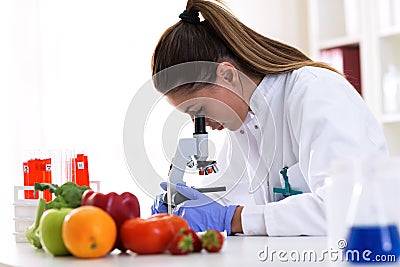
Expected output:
(373, 244)
(373, 236)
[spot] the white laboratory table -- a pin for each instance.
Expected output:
(237, 251)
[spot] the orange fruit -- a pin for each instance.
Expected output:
(89, 232)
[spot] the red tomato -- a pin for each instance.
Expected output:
(147, 236)
(177, 221)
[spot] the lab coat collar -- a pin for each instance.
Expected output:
(264, 92)
(261, 98)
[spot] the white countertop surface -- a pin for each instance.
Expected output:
(237, 251)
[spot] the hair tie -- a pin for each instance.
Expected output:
(191, 16)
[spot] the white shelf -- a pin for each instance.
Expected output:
(339, 42)
(379, 48)
(390, 31)
(391, 118)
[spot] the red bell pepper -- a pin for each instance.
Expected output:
(120, 207)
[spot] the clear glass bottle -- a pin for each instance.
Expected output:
(373, 233)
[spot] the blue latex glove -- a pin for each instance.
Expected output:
(158, 205)
(201, 212)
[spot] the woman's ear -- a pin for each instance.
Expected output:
(227, 74)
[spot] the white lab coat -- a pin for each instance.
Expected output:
(303, 120)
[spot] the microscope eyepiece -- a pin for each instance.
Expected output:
(200, 124)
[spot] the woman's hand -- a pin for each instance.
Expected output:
(201, 212)
(159, 205)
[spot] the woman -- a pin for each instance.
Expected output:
(290, 117)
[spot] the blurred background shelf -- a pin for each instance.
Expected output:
(339, 42)
(373, 26)
(391, 118)
(390, 31)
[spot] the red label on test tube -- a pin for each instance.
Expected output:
(26, 178)
(86, 176)
(82, 173)
(34, 176)
(46, 165)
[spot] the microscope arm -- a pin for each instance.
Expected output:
(187, 147)
(183, 155)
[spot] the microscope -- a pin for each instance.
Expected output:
(192, 153)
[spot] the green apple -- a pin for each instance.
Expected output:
(50, 227)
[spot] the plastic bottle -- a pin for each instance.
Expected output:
(339, 187)
(373, 233)
(391, 90)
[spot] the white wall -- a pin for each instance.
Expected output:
(284, 20)
(7, 121)
(69, 70)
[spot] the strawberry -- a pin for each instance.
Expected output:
(197, 244)
(182, 243)
(212, 240)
